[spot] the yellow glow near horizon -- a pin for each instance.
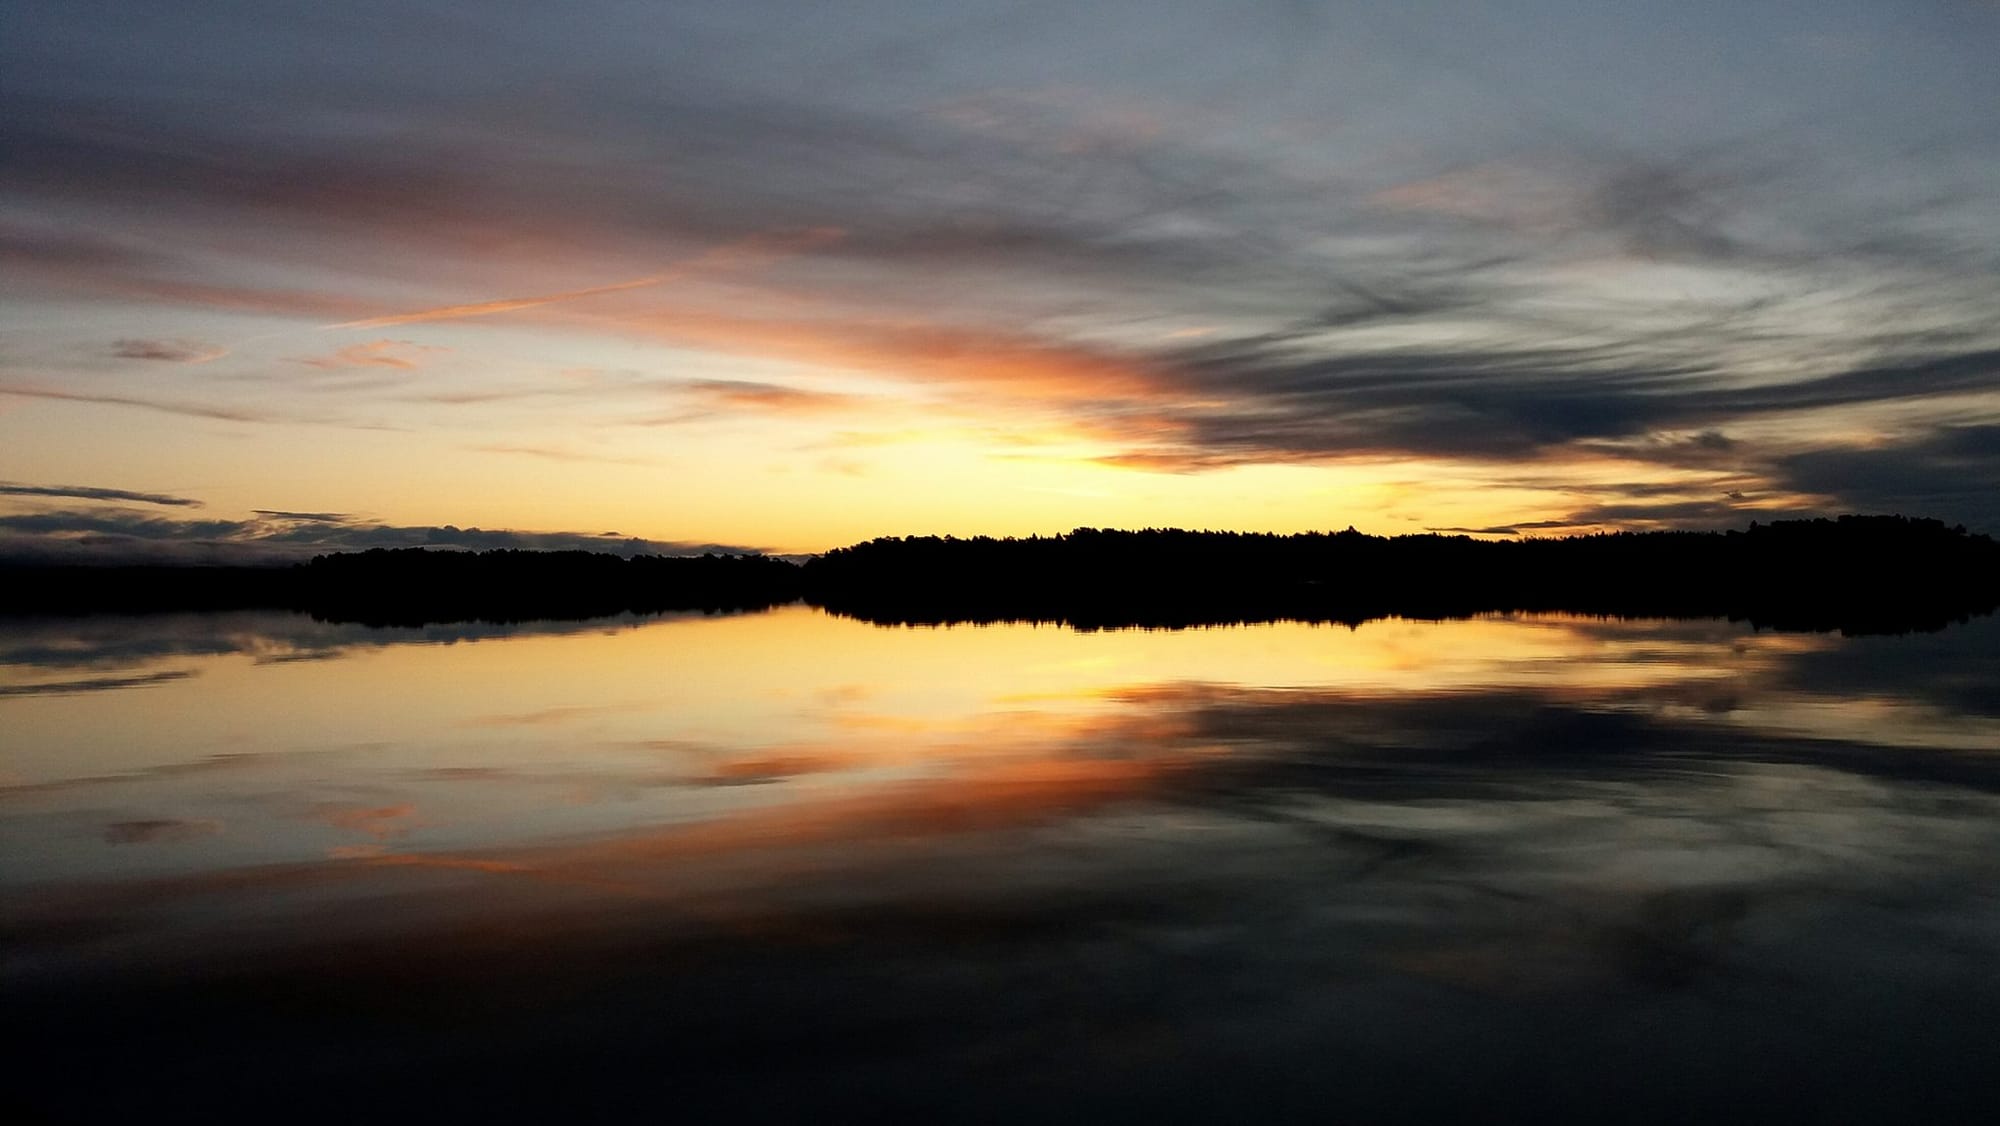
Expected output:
(661, 411)
(786, 484)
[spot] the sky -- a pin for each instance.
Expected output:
(284, 277)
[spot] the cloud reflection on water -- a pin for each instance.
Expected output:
(792, 864)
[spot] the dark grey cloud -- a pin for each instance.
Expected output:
(53, 246)
(979, 178)
(358, 535)
(221, 762)
(1964, 373)
(755, 118)
(1282, 402)
(1270, 398)
(86, 492)
(128, 535)
(118, 522)
(306, 517)
(171, 351)
(1283, 405)
(1723, 512)
(725, 169)
(1952, 474)
(1660, 215)
(94, 684)
(1513, 529)
(1720, 512)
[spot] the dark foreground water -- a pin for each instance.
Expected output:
(254, 867)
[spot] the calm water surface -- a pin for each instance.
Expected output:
(787, 865)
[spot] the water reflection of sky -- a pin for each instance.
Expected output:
(1548, 842)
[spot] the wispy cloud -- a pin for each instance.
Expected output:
(559, 453)
(279, 536)
(161, 831)
(164, 406)
(549, 717)
(94, 684)
(207, 410)
(170, 351)
(1251, 402)
(382, 822)
(741, 254)
(1003, 362)
(86, 492)
(305, 517)
(401, 355)
(490, 308)
(770, 398)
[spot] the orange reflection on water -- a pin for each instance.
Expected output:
(568, 750)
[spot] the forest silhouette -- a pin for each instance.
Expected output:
(1857, 574)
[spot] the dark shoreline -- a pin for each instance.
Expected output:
(1872, 574)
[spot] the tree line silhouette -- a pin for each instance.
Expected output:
(1854, 573)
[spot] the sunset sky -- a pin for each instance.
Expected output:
(286, 276)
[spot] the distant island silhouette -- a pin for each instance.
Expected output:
(1856, 574)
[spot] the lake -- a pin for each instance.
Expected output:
(788, 865)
